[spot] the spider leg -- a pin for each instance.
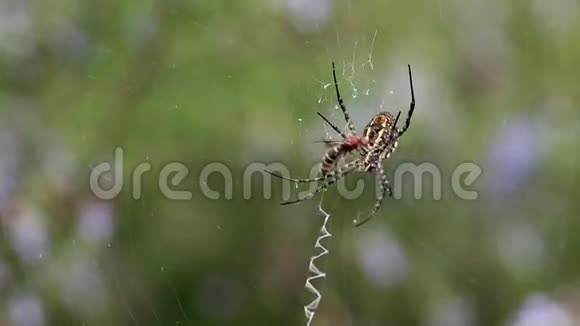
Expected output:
(296, 180)
(411, 106)
(332, 125)
(394, 126)
(327, 142)
(341, 102)
(385, 189)
(330, 179)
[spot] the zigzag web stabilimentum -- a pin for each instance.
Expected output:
(315, 272)
(348, 72)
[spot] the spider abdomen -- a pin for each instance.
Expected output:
(335, 153)
(382, 136)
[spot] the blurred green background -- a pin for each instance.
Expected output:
(238, 82)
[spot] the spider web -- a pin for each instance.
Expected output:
(311, 308)
(347, 71)
(353, 89)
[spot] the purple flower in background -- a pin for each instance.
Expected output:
(25, 310)
(382, 259)
(451, 311)
(514, 155)
(309, 16)
(9, 166)
(96, 222)
(540, 310)
(28, 234)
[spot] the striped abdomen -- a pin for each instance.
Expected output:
(330, 159)
(378, 133)
(333, 155)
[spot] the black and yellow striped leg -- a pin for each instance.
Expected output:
(341, 103)
(332, 125)
(330, 179)
(385, 189)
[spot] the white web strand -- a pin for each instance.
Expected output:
(370, 59)
(310, 309)
(315, 273)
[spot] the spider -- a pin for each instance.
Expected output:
(378, 141)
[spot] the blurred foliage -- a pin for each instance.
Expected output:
(240, 82)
